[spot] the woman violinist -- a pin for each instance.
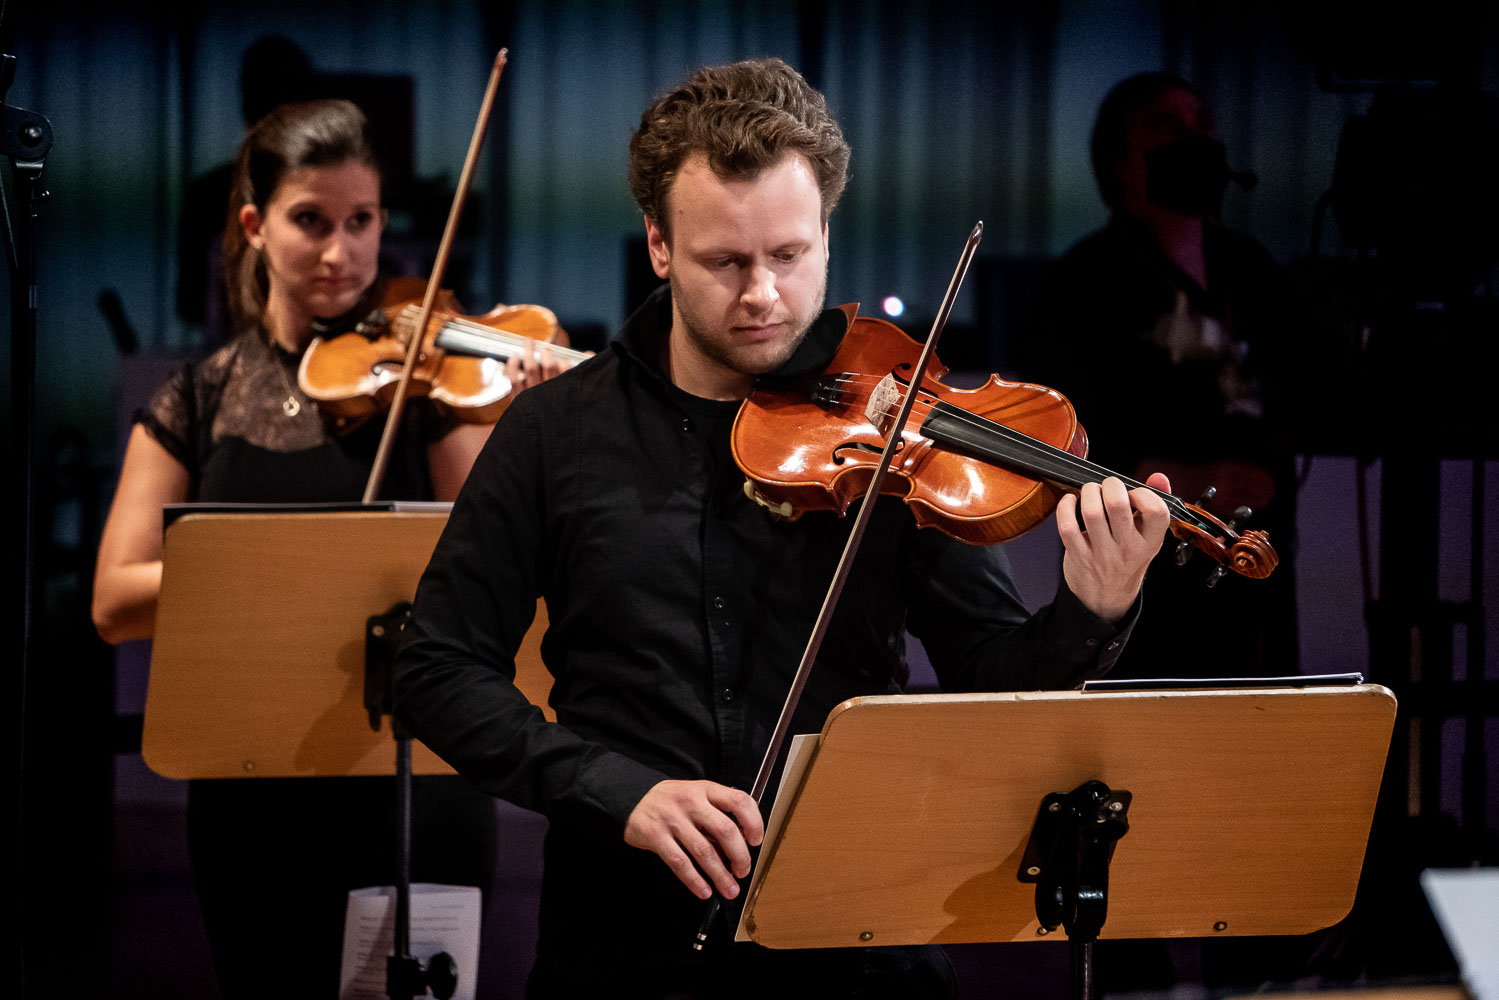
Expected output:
(301, 253)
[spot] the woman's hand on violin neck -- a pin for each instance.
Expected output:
(1111, 534)
(696, 827)
(534, 365)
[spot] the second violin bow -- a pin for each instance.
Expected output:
(444, 248)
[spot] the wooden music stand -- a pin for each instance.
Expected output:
(1249, 815)
(258, 661)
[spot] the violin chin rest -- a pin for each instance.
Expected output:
(783, 510)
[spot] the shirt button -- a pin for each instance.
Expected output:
(718, 603)
(687, 424)
(726, 695)
(1090, 641)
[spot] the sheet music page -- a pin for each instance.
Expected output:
(1466, 904)
(797, 759)
(1188, 683)
(443, 918)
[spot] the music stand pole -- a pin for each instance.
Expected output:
(405, 977)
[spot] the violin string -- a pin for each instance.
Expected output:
(503, 336)
(1059, 460)
(1058, 463)
(1075, 475)
(468, 326)
(1062, 465)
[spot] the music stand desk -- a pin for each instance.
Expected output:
(1251, 810)
(258, 660)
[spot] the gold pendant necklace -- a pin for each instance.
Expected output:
(291, 405)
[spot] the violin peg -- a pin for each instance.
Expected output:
(1183, 552)
(1207, 495)
(1218, 573)
(1240, 515)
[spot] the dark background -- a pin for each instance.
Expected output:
(955, 112)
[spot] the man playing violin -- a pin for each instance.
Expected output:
(678, 608)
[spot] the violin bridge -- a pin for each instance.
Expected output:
(884, 404)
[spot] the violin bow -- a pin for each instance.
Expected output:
(439, 266)
(850, 548)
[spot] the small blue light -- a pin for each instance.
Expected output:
(893, 305)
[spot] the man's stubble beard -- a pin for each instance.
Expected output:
(723, 354)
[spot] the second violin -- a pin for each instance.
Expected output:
(460, 363)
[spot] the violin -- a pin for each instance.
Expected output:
(983, 465)
(459, 365)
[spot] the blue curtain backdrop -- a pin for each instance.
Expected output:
(956, 112)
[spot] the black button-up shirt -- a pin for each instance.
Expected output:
(679, 610)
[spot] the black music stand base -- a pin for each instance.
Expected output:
(1067, 857)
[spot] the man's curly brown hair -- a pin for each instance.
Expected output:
(744, 117)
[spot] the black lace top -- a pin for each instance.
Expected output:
(225, 418)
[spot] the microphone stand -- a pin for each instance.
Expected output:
(25, 139)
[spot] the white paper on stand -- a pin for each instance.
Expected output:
(443, 918)
(1466, 904)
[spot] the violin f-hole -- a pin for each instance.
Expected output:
(866, 448)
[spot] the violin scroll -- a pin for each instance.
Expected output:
(1248, 554)
(1252, 555)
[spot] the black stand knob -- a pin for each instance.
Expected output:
(1067, 857)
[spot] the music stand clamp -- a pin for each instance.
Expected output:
(382, 638)
(405, 976)
(1067, 857)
